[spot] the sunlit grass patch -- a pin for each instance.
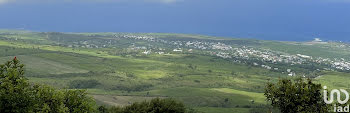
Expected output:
(257, 97)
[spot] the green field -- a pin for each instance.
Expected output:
(115, 71)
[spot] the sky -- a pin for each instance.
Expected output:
(293, 20)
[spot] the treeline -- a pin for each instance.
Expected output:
(156, 105)
(17, 95)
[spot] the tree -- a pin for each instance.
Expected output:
(18, 96)
(48, 100)
(15, 93)
(156, 105)
(296, 96)
(78, 102)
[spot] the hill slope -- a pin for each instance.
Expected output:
(207, 73)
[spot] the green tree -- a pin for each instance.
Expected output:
(78, 102)
(48, 100)
(296, 96)
(17, 95)
(156, 105)
(15, 92)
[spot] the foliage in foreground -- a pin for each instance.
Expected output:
(296, 96)
(17, 95)
(156, 105)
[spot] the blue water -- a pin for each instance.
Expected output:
(292, 20)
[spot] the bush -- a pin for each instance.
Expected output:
(154, 106)
(133, 87)
(78, 102)
(296, 96)
(47, 99)
(83, 84)
(197, 81)
(18, 96)
(102, 109)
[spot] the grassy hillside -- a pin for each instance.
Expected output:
(208, 73)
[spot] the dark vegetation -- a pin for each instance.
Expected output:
(154, 106)
(17, 95)
(83, 84)
(132, 87)
(296, 96)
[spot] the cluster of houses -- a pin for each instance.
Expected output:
(220, 49)
(340, 64)
(195, 44)
(270, 56)
(226, 51)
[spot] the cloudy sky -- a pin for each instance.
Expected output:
(263, 19)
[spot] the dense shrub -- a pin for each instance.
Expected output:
(77, 101)
(132, 87)
(296, 96)
(154, 106)
(18, 96)
(83, 84)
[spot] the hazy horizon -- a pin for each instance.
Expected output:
(273, 20)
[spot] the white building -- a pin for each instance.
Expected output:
(177, 50)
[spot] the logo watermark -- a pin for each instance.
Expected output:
(337, 92)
